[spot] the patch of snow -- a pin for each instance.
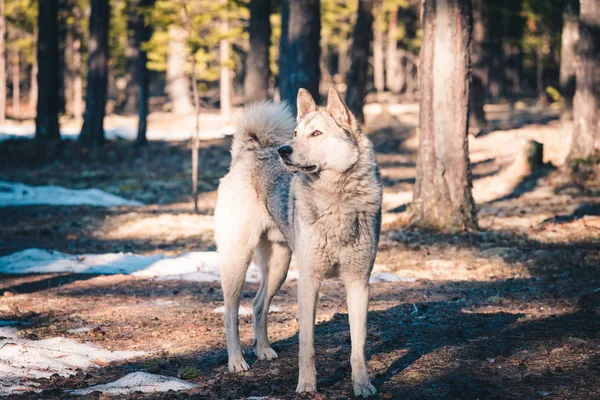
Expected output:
(138, 382)
(196, 266)
(389, 277)
(80, 330)
(245, 311)
(22, 359)
(19, 194)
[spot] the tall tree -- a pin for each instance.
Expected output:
(299, 49)
(143, 32)
(378, 65)
(586, 103)
(2, 63)
(356, 79)
(178, 87)
(478, 76)
(256, 81)
(46, 120)
(135, 21)
(495, 49)
(225, 75)
(92, 132)
(392, 60)
(16, 80)
(442, 195)
(569, 37)
(33, 86)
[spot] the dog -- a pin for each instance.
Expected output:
(311, 187)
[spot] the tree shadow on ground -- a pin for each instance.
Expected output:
(517, 119)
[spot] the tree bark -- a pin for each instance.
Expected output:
(178, 86)
(478, 76)
(569, 37)
(135, 21)
(299, 49)
(63, 15)
(225, 78)
(143, 33)
(2, 63)
(392, 61)
(46, 120)
(356, 79)
(442, 196)
(77, 80)
(378, 60)
(33, 86)
(495, 51)
(586, 103)
(16, 82)
(256, 81)
(92, 132)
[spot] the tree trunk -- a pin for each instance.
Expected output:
(16, 82)
(33, 86)
(143, 33)
(569, 37)
(392, 61)
(178, 87)
(68, 69)
(2, 63)
(356, 79)
(478, 78)
(378, 61)
(63, 16)
(586, 103)
(225, 78)
(442, 195)
(539, 73)
(77, 80)
(256, 81)
(46, 120)
(299, 49)
(495, 51)
(135, 20)
(92, 132)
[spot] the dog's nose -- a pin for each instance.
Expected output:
(285, 151)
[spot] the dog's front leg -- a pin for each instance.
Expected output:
(308, 295)
(358, 304)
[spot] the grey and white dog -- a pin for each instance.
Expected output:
(313, 189)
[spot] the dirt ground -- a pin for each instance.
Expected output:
(508, 312)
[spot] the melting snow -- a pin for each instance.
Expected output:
(19, 194)
(138, 382)
(22, 360)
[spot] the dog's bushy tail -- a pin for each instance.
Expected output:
(262, 125)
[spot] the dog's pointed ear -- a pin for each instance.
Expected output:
(337, 108)
(305, 102)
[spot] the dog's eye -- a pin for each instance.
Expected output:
(316, 133)
(295, 133)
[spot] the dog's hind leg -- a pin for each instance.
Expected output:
(357, 293)
(234, 261)
(274, 260)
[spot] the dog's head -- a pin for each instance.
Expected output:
(324, 140)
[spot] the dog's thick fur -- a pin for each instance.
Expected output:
(314, 190)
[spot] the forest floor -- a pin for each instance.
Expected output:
(508, 312)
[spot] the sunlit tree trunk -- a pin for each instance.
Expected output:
(442, 194)
(178, 87)
(378, 60)
(225, 78)
(92, 132)
(569, 37)
(586, 103)
(356, 79)
(478, 78)
(132, 54)
(299, 49)
(256, 81)
(392, 61)
(46, 120)
(2, 63)
(33, 86)
(16, 82)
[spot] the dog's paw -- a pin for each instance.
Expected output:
(265, 353)
(238, 364)
(363, 390)
(306, 387)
